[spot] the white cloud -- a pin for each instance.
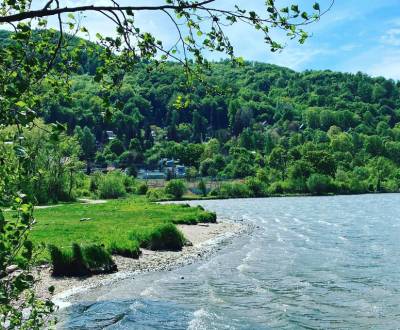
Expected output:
(391, 37)
(378, 61)
(387, 66)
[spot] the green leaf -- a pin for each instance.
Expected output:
(21, 104)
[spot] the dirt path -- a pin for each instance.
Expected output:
(80, 200)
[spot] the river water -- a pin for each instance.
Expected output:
(310, 262)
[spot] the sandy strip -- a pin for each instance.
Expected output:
(204, 237)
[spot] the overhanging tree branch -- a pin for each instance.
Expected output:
(45, 12)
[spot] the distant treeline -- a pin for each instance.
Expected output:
(291, 132)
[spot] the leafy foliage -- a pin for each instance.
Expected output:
(19, 306)
(176, 188)
(112, 185)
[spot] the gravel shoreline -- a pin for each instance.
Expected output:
(204, 237)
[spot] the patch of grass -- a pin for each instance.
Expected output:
(163, 237)
(129, 249)
(68, 262)
(80, 261)
(195, 218)
(110, 225)
(207, 217)
(98, 260)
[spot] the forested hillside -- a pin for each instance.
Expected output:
(283, 131)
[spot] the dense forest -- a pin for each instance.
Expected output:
(279, 130)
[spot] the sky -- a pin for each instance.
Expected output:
(355, 35)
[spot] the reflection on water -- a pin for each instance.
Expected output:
(323, 262)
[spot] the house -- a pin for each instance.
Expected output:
(180, 171)
(150, 175)
(171, 168)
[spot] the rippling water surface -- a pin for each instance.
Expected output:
(311, 262)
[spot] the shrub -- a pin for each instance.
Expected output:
(319, 184)
(129, 183)
(175, 188)
(202, 187)
(128, 249)
(163, 237)
(256, 187)
(98, 260)
(234, 190)
(155, 194)
(112, 185)
(95, 181)
(142, 189)
(276, 188)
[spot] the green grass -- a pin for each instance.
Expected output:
(112, 225)
(80, 261)
(162, 237)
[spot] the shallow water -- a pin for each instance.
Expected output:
(311, 262)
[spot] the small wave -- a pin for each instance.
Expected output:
(304, 237)
(298, 221)
(327, 223)
(148, 292)
(242, 267)
(199, 320)
(203, 319)
(279, 238)
(214, 298)
(136, 305)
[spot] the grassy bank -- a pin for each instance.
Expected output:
(119, 227)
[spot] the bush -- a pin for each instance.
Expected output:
(202, 187)
(175, 188)
(142, 189)
(319, 184)
(234, 190)
(163, 237)
(155, 194)
(130, 249)
(95, 181)
(276, 188)
(129, 182)
(256, 187)
(112, 185)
